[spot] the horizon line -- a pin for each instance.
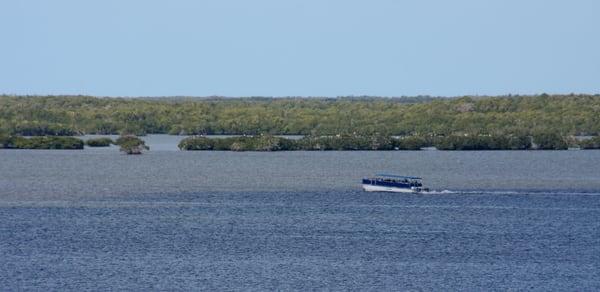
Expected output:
(298, 96)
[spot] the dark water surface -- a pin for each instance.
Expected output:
(98, 220)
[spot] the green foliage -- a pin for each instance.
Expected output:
(545, 140)
(131, 144)
(36, 128)
(355, 142)
(480, 142)
(197, 143)
(43, 142)
(363, 116)
(593, 143)
(5, 140)
(345, 142)
(271, 143)
(412, 143)
(99, 142)
(256, 143)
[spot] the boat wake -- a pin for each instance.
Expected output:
(436, 192)
(509, 192)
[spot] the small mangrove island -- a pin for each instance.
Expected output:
(99, 142)
(43, 142)
(131, 144)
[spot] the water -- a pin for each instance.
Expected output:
(99, 220)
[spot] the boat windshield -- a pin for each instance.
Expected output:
(411, 180)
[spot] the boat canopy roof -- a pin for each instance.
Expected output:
(397, 176)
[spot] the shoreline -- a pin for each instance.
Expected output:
(269, 143)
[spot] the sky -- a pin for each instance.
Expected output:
(299, 47)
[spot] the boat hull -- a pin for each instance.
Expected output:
(376, 188)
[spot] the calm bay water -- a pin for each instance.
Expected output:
(97, 219)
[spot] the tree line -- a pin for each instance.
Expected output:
(134, 145)
(362, 143)
(517, 116)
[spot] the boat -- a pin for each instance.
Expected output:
(393, 183)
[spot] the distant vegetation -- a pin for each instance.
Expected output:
(99, 142)
(43, 142)
(593, 143)
(131, 144)
(271, 143)
(347, 123)
(482, 143)
(352, 142)
(563, 115)
(258, 143)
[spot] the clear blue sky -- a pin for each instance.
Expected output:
(299, 47)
